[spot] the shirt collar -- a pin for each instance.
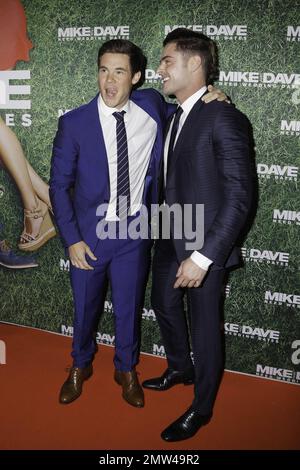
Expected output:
(108, 111)
(191, 100)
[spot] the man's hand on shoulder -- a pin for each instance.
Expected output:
(77, 254)
(214, 94)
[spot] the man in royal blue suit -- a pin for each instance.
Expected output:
(104, 151)
(206, 161)
(107, 152)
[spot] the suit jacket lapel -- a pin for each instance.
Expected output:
(183, 136)
(170, 119)
(161, 164)
(97, 144)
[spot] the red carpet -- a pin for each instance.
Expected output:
(250, 413)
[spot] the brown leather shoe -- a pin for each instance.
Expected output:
(132, 391)
(72, 387)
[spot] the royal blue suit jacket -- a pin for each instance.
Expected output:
(79, 180)
(211, 166)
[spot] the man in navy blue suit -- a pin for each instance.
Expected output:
(206, 161)
(107, 152)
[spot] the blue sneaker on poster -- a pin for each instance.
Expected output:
(12, 260)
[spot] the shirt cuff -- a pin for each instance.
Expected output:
(202, 261)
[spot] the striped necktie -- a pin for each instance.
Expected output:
(123, 184)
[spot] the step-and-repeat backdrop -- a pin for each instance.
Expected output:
(55, 70)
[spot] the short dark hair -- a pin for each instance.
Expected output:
(192, 42)
(137, 59)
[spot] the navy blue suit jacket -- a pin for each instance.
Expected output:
(211, 166)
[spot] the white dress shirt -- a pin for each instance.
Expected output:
(141, 132)
(202, 261)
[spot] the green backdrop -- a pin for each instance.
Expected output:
(260, 66)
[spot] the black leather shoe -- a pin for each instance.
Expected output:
(170, 378)
(186, 426)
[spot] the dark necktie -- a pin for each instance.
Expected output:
(174, 130)
(123, 184)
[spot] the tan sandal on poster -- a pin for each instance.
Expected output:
(38, 228)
